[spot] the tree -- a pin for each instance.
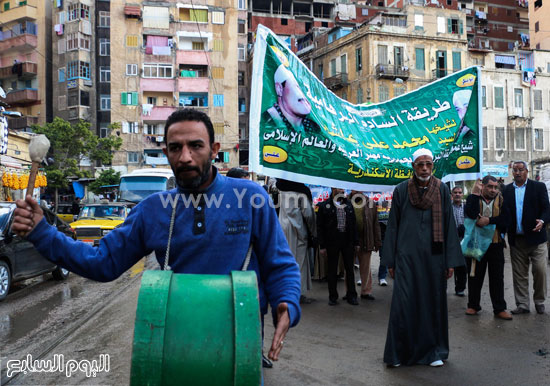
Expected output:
(107, 177)
(70, 143)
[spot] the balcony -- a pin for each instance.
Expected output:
(157, 84)
(388, 71)
(337, 81)
(17, 13)
(21, 97)
(18, 43)
(28, 70)
(159, 113)
(440, 73)
(193, 57)
(186, 84)
(22, 122)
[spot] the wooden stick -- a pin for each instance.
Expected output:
(32, 178)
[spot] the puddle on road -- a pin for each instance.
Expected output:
(19, 324)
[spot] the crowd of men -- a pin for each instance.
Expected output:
(419, 246)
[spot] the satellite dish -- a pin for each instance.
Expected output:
(2, 93)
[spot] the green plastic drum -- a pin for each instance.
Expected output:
(197, 330)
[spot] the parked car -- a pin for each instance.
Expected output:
(65, 213)
(19, 259)
(96, 220)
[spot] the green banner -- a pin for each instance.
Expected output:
(299, 130)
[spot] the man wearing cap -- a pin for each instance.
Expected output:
(421, 250)
(292, 107)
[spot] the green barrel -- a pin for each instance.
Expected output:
(197, 330)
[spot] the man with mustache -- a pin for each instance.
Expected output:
(201, 239)
(421, 250)
(292, 107)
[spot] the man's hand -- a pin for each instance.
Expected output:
(392, 272)
(283, 323)
(477, 187)
(539, 226)
(323, 253)
(482, 221)
(449, 273)
(25, 217)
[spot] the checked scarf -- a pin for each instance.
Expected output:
(430, 199)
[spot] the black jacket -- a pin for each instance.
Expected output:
(327, 223)
(535, 206)
(472, 210)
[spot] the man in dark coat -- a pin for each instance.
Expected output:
(338, 235)
(420, 249)
(527, 208)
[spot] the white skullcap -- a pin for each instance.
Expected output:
(421, 152)
(462, 97)
(282, 74)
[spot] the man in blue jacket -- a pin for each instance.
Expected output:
(213, 220)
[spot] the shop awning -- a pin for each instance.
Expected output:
(132, 10)
(505, 59)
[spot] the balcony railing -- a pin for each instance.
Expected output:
(22, 12)
(21, 70)
(389, 71)
(22, 122)
(21, 97)
(337, 81)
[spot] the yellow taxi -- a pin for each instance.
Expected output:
(65, 212)
(96, 220)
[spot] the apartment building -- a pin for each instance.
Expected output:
(397, 51)
(167, 55)
(74, 61)
(539, 24)
(25, 60)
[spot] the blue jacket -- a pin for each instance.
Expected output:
(211, 237)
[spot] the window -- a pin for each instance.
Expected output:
(344, 64)
(454, 26)
(62, 102)
(241, 27)
(399, 90)
(456, 61)
(242, 105)
(485, 138)
(539, 139)
(537, 97)
(153, 129)
(382, 54)
(129, 98)
(483, 96)
(152, 101)
(133, 157)
(358, 59)
(440, 24)
(133, 127)
(194, 15)
(499, 97)
(61, 74)
(500, 138)
(418, 21)
(217, 100)
(105, 74)
(217, 72)
(383, 93)
(217, 45)
(157, 71)
(78, 69)
(284, 21)
(537, 28)
(420, 61)
(193, 100)
(105, 102)
(242, 52)
(103, 131)
(197, 46)
(104, 47)
(219, 129)
(104, 19)
(241, 78)
(242, 4)
(131, 41)
(7, 6)
(359, 95)
(332, 67)
(518, 102)
(218, 17)
(520, 138)
(72, 98)
(78, 11)
(131, 69)
(78, 40)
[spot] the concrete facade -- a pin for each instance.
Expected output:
(25, 57)
(164, 57)
(539, 24)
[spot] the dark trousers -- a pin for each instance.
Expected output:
(494, 260)
(461, 276)
(382, 272)
(340, 244)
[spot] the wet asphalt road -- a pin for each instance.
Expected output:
(340, 345)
